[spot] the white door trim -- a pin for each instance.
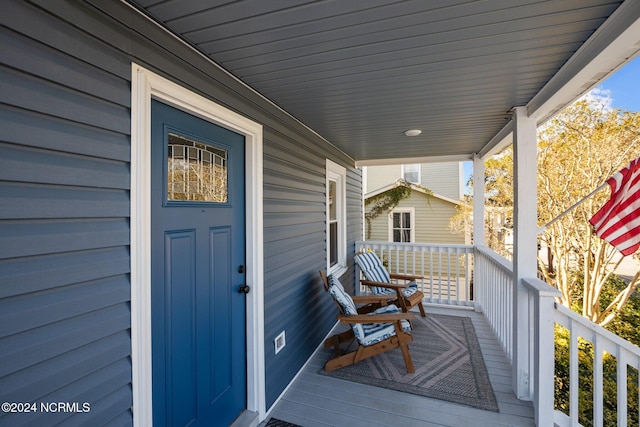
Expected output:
(144, 86)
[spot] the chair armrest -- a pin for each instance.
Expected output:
(368, 299)
(404, 276)
(384, 285)
(374, 318)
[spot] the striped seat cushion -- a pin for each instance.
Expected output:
(407, 292)
(376, 332)
(365, 333)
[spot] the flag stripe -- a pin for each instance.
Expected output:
(624, 217)
(621, 197)
(618, 221)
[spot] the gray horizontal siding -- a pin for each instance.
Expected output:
(35, 94)
(64, 206)
(21, 275)
(54, 339)
(64, 226)
(30, 129)
(41, 237)
(295, 250)
(27, 164)
(41, 200)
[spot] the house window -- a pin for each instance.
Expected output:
(411, 173)
(401, 225)
(336, 219)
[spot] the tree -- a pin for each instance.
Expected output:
(578, 150)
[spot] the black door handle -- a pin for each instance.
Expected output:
(244, 289)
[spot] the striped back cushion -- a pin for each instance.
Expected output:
(373, 270)
(346, 302)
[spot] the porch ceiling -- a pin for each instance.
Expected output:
(360, 72)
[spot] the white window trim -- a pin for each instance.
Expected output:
(412, 212)
(419, 173)
(144, 86)
(337, 173)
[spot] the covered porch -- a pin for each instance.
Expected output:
(315, 400)
(316, 89)
(466, 79)
(474, 282)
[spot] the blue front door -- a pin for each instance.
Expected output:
(197, 261)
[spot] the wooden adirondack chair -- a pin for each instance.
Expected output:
(405, 295)
(384, 329)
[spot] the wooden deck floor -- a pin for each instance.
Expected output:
(315, 400)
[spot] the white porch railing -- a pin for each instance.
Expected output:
(494, 294)
(478, 277)
(445, 270)
(598, 346)
(494, 297)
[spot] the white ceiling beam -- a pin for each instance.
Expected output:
(413, 160)
(499, 142)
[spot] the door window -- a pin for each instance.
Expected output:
(196, 171)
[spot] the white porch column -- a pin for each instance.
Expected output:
(525, 243)
(478, 201)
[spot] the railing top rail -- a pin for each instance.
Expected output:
(501, 261)
(597, 329)
(414, 245)
(541, 288)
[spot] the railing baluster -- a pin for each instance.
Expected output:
(604, 342)
(445, 279)
(598, 415)
(622, 387)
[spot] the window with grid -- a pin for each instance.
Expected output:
(411, 173)
(401, 227)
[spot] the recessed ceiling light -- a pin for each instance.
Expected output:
(412, 132)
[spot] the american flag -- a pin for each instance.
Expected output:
(618, 221)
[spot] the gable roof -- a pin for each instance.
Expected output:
(414, 187)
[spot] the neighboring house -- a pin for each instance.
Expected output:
(420, 218)
(445, 179)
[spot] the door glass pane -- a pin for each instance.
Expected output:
(196, 171)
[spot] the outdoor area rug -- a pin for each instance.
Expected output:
(447, 359)
(274, 422)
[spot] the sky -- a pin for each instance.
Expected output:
(623, 88)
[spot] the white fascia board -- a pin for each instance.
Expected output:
(611, 46)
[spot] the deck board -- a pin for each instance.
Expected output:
(315, 400)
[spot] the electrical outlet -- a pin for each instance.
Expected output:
(279, 342)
